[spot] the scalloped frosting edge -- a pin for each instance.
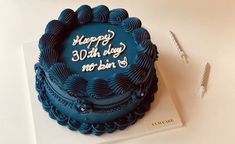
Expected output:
(101, 13)
(96, 128)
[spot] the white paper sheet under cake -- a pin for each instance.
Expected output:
(162, 115)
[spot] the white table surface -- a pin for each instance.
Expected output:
(205, 29)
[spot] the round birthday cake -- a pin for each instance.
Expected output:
(96, 69)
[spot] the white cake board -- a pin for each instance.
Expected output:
(162, 115)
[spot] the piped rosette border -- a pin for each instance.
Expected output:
(49, 45)
(92, 128)
(135, 76)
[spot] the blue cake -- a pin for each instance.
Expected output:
(96, 69)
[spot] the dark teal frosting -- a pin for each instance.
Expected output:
(140, 35)
(100, 13)
(73, 124)
(116, 16)
(59, 72)
(131, 24)
(119, 83)
(55, 27)
(155, 48)
(76, 85)
(99, 101)
(148, 48)
(48, 41)
(98, 88)
(136, 74)
(68, 17)
(48, 57)
(86, 127)
(84, 14)
(144, 61)
(96, 29)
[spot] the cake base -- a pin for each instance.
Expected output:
(94, 128)
(162, 115)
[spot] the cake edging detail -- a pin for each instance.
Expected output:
(56, 28)
(95, 128)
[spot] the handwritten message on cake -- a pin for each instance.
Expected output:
(94, 51)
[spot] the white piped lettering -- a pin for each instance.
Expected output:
(105, 39)
(93, 51)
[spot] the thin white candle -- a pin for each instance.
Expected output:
(178, 47)
(204, 79)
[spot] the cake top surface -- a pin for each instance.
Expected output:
(96, 69)
(96, 51)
